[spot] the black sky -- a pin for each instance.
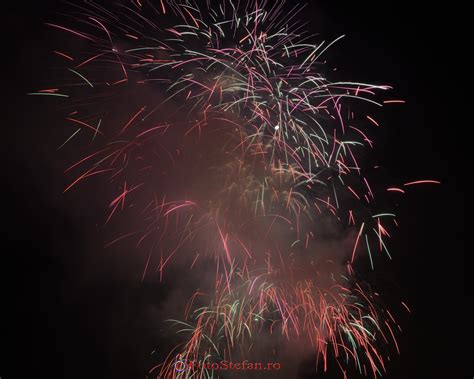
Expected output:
(73, 313)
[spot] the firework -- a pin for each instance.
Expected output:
(217, 127)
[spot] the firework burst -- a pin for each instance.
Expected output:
(217, 125)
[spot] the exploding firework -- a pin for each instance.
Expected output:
(216, 125)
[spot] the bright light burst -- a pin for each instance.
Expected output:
(216, 124)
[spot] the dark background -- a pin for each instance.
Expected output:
(74, 310)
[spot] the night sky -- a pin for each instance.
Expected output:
(75, 310)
